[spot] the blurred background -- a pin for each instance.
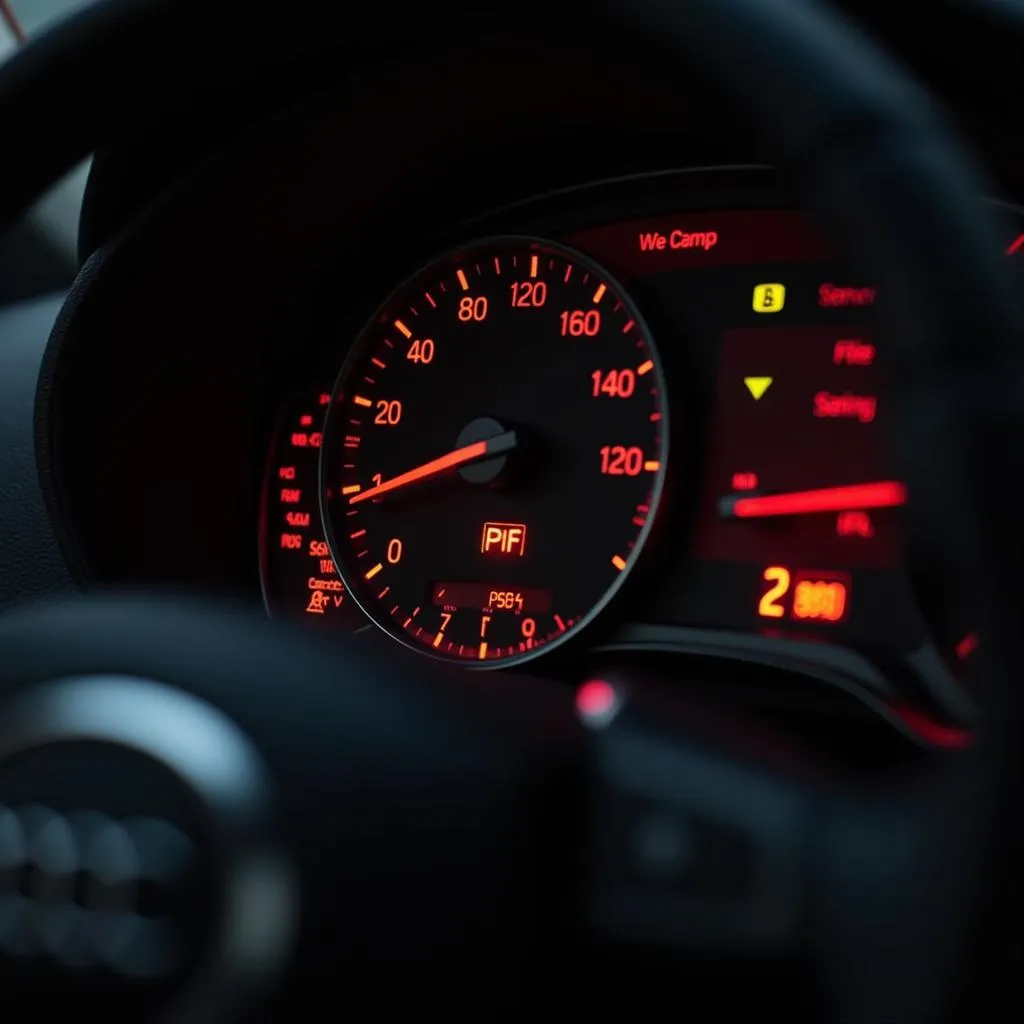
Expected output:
(32, 14)
(41, 253)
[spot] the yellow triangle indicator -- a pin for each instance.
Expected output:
(757, 386)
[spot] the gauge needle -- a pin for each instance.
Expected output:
(497, 445)
(879, 494)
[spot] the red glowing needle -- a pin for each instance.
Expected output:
(435, 467)
(881, 494)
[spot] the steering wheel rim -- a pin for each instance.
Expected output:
(878, 168)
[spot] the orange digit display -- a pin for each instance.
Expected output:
(770, 606)
(821, 597)
(814, 596)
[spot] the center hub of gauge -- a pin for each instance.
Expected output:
(488, 470)
(427, 539)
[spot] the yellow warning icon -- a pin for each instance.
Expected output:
(757, 386)
(769, 298)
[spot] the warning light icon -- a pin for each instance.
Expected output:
(504, 539)
(769, 298)
(757, 386)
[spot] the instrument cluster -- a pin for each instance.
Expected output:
(645, 403)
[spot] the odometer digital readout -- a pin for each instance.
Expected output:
(501, 424)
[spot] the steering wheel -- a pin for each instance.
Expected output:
(385, 835)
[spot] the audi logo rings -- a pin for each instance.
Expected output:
(89, 891)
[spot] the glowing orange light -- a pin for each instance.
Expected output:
(504, 539)
(820, 599)
(770, 605)
(816, 596)
(429, 469)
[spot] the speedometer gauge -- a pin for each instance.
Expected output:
(494, 452)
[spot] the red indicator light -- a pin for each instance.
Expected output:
(504, 539)
(291, 496)
(967, 646)
(300, 440)
(853, 353)
(835, 295)
(854, 524)
(596, 701)
(325, 399)
(306, 420)
(744, 481)
(286, 473)
(297, 518)
(845, 406)
(883, 494)
(931, 731)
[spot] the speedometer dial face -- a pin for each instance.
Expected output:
(494, 452)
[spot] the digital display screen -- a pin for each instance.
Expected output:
(797, 412)
(492, 597)
(783, 474)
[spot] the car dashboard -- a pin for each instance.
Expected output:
(528, 388)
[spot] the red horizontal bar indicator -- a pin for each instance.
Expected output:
(880, 494)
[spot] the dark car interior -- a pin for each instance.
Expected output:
(514, 513)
